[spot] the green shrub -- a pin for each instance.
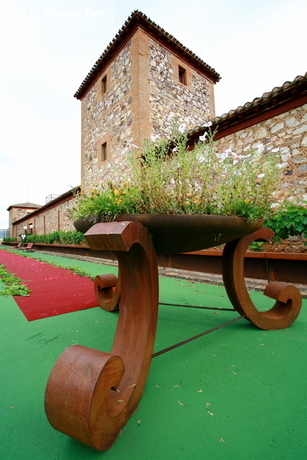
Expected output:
(58, 237)
(289, 220)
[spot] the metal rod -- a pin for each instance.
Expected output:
(196, 306)
(165, 350)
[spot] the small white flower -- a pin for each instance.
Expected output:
(208, 124)
(243, 157)
(203, 137)
(222, 156)
(171, 115)
(182, 128)
(260, 176)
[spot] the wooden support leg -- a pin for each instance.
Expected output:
(288, 299)
(90, 394)
(107, 291)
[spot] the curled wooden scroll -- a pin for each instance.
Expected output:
(288, 299)
(91, 394)
(107, 291)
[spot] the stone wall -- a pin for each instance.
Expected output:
(16, 213)
(47, 220)
(191, 103)
(107, 118)
(144, 96)
(285, 135)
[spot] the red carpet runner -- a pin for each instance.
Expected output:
(55, 291)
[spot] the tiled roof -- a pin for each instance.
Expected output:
(138, 19)
(279, 93)
(289, 91)
(25, 205)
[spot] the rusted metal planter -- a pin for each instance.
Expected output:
(91, 394)
(273, 266)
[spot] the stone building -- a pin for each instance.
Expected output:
(275, 122)
(20, 212)
(53, 216)
(139, 84)
(143, 81)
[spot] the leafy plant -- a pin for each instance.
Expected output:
(289, 220)
(256, 246)
(170, 177)
(59, 237)
(108, 201)
(13, 284)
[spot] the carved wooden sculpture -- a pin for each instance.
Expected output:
(91, 394)
(107, 290)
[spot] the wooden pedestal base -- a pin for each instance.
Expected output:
(90, 394)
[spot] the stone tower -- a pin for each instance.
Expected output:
(139, 85)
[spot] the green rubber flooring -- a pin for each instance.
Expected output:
(235, 393)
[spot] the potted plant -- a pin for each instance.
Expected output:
(171, 178)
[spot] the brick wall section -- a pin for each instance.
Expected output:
(141, 109)
(286, 132)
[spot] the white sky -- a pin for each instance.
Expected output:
(47, 47)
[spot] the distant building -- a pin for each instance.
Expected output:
(4, 233)
(19, 212)
(27, 218)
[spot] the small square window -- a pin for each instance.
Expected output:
(104, 85)
(104, 151)
(182, 74)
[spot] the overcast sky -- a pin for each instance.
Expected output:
(47, 47)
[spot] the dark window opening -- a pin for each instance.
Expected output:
(104, 151)
(104, 84)
(182, 73)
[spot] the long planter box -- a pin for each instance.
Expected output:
(274, 266)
